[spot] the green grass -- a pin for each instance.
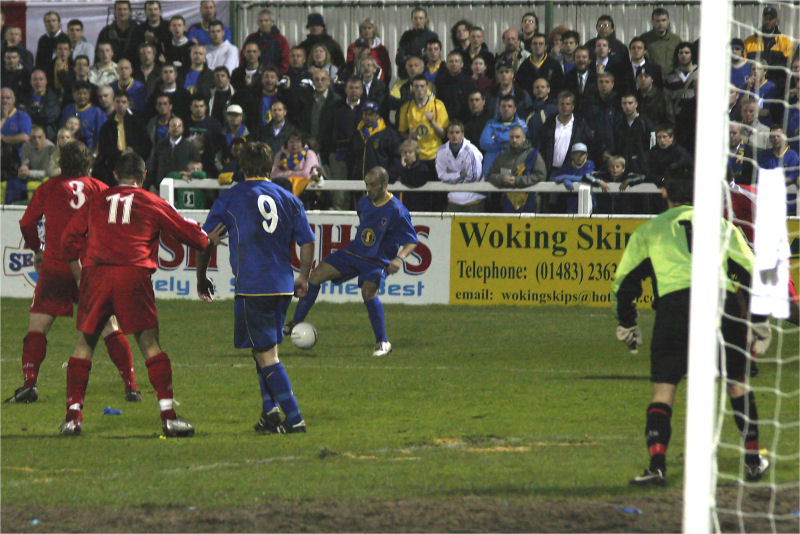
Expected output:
(503, 402)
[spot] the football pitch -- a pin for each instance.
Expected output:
(481, 419)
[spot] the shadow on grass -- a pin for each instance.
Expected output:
(614, 377)
(528, 490)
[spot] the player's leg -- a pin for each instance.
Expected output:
(323, 273)
(159, 371)
(119, 350)
(34, 350)
(257, 325)
(369, 292)
(78, 368)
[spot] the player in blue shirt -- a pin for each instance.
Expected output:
(384, 228)
(262, 220)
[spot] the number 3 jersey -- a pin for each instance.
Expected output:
(123, 225)
(57, 200)
(262, 220)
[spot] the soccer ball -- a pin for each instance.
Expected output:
(304, 336)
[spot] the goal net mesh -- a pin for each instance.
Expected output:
(765, 84)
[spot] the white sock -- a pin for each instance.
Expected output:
(165, 404)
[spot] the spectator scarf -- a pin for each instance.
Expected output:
(518, 200)
(368, 131)
(290, 161)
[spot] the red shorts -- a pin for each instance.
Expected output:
(116, 290)
(55, 294)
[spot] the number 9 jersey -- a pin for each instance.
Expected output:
(262, 220)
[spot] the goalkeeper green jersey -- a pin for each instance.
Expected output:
(661, 249)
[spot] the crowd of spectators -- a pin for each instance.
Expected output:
(537, 108)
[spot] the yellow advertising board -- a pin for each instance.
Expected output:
(547, 261)
(537, 261)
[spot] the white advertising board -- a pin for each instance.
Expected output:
(424, 280)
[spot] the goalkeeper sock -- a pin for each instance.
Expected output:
(267, 401)
(77, 380)
(34, 349)
(304, 306)
(159, 370)
(119, 350)
(376, 318)
(277, 381)
(746, 416)
(658, 431)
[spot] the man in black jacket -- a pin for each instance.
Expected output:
(413, 41)
(453, 85)
(317, 34)
(374, 143)
(170, 155)
(110, 145)
(121, 32)
(43, 105)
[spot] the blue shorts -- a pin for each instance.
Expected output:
(258, 321)
(351, 266)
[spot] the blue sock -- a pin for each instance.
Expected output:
(304, 306)
(277, 381)
(375, 311)
(267, 402)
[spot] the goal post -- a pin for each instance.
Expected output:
(711, 149)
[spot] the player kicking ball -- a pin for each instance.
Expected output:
(384, 227)
(263, 219)
(119, 230)
(661, 249)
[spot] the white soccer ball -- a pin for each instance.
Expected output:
(304, 336)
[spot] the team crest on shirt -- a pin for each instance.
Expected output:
(421, 130)
(18, 261)
(368, 237)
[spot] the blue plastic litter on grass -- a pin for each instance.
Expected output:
(796, 513)
(628, 510)
(34, 522)
(111, 411)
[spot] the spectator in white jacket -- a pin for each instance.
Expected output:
(459, 161)
(80, 46)
(220, 53)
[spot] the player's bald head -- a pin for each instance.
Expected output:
(380, 173)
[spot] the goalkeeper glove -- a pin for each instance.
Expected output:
(631, 336)
(759, 337)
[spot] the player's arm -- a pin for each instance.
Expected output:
(29, 226)
(73, 240)
(397, 262)
(301, 281)
(205, 287)
(634, 267)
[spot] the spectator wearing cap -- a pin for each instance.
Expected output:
(317, 35)
(273, 45)
(518, 165)
(770, 45)
(575, 169)
(540, 65)
(606, 30)
(46, 47)
(513, 53)
(459, 161)
(740, 70)
(234, 128)
(220, 53)
(653, 103)
(374, 143)
(121, 131)
(91, 118)
(368, 33)
(413, 40)
(120, 32)
(453, 85)
(198, 32)
(494, 138)
(506, 86)
(660, 40)
(222, 96)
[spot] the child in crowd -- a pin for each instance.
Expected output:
(482, 81)
(579, 168)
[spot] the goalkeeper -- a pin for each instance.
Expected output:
(661, 250)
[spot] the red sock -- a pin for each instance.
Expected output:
(119, 350)
(159, 371)
(77, 378)
(34, 349)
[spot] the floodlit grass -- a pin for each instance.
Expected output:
(500, 401)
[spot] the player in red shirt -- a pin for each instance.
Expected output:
(124, 224)
(57, 200)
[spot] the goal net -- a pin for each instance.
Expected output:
(759, 131)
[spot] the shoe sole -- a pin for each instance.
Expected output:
(658, 482)
(182, 434)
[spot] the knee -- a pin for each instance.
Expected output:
(368, 293)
